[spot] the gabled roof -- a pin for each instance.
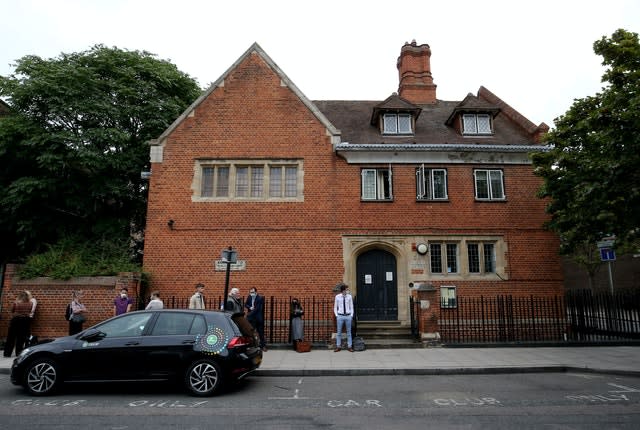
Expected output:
(220, 82)
(353, 118)
(394, 103)
(473, 104)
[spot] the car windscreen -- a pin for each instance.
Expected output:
(127, 325)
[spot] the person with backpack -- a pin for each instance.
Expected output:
(78, 310)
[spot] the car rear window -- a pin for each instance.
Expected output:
(245, 327)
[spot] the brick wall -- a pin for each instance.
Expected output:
(298, 248)
(53, 296)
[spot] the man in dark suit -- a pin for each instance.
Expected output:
(255, 314)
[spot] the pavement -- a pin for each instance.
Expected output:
(621, 360)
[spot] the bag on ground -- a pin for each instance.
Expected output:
(303, 346)
(358, 344)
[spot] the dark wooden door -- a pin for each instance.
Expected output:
(377, 289)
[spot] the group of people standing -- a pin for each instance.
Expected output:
(254, 307)
(343, 310)
(121, 304)
(24, 308)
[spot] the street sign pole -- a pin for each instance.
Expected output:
(608, 254)
(230, 257)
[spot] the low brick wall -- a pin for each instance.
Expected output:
(54, 294)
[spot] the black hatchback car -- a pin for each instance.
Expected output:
(203, 349)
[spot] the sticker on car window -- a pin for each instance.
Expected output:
(213, 341)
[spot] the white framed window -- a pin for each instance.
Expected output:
(238, 180)
(400, 123)
(377, 184)
(489, 184)
(431, 184)
(448, 298)
(482, 257)
(475, 124)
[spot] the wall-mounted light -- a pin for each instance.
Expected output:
(422, 248)
(170, 224)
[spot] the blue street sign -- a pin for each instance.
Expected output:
(607, 254)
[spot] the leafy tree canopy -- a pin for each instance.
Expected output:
(592, 175)
(74, 144)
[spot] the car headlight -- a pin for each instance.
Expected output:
(25, 352)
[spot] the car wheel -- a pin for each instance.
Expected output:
(41, 377)
(203, 378)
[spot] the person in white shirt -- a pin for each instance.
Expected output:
(155, 302)
(343, 310)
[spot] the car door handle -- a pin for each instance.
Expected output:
(188, 342)
(132, 343)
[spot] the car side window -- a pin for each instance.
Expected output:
(175, 323)
(199, 325)
(126, 326)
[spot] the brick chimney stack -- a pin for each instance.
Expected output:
(414, 68)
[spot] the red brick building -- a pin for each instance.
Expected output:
(382, 195)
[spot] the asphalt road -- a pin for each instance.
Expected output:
(522, 401)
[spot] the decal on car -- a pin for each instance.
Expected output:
(213, 341)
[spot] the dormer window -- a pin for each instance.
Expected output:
(476, 123)
(397, 123)
(473, 116)
(395, 116)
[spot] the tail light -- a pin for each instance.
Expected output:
(239, 341)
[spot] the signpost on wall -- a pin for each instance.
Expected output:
(228, 256)
(608, 254)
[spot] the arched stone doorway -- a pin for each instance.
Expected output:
(377, 286)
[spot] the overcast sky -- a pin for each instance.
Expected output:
(536, 56)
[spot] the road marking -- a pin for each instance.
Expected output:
(599, 398)
(296, 396)
(354, 404)
(166, 404)
(468, 401)
(64, 403)
(624, 389)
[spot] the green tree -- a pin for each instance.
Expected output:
(75, 142)
(592, 175)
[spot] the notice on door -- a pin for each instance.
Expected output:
(368, 279)
(389, 276)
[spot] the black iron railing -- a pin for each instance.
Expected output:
(593, 317)
(503, 319)
(579, 316)
(319, 322)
